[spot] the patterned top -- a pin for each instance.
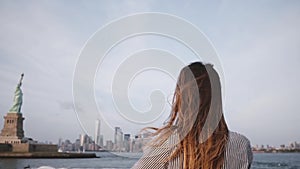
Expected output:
(238, 155)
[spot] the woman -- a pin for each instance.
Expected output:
(196, 135)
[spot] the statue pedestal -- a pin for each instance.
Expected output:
(12, 131)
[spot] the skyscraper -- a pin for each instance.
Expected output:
(97, 133)
(127, 142)
(118, 139)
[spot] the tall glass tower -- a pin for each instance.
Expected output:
(97, 133)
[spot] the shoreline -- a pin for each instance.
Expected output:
(276, 151)
(46, 155)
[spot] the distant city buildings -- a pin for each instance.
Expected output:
(134, 143)
(86, 143)
(83, 143)
(292, 147)
(122, 142)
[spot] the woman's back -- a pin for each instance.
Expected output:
(238, 154)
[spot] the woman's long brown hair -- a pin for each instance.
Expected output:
(197, 118)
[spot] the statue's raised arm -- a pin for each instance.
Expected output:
(18, 98)
(21, 79)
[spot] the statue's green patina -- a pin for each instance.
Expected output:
(18, 98)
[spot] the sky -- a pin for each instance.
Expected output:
(257, 44)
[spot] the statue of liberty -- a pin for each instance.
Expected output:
(18, 98)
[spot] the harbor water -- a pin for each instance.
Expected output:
(111, 161)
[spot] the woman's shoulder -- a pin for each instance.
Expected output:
(238, 141)
(238, 137)
(238, 151)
